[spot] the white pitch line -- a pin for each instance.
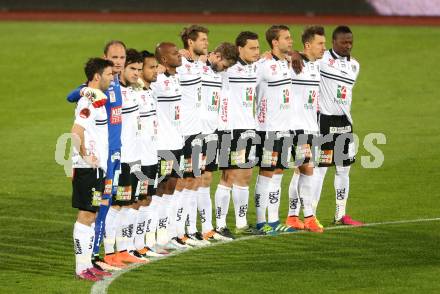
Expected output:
(102, 286)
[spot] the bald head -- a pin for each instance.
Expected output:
(168, 55)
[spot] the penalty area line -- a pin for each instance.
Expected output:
(101, 287)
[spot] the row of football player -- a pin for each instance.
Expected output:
(211, 94)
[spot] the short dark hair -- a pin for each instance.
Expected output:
(273, 33)
(341, 30)
(96, 65)
(133, 56)
(191, 33)
(309, 33)
(242, 38)
(111, 43)
(147, 54)
(228, 52)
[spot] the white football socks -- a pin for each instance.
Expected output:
(240, 197)
(151, 222)
(111, 225)
(273, 205)
(141, 224)
(262, 188)
(181, 212)
(342, 186)
(192, 212)
(83, 236)
(318, 182)
(222, 198)
(204, 206)
(162, 227)
(305, 194)
(294, 202)
(132, 217)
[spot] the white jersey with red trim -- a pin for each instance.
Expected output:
(211, 93)
(338, 76)
(305, 87)
(237, 101)
(94, 122)
(274, 95)
(191, 83)
(130, 125)
(148, 128)
(168, 95)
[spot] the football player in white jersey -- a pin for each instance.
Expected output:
(89, 160)
(146, 204)
(218, 61)
(195, 43)
(130, 159)
(305, 86)
(168, 95)
(339, 71)
(273, 117)
(238, 135)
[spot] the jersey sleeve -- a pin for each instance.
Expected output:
(84, 113)
(75, 95)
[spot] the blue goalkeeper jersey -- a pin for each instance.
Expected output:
(114, 111)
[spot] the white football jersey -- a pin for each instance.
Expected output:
(338, 76)
(94, 122)
(305, 87)
(274, 95)
(168, 95)
(130, 125)
(191, 83)
(237, 101)
(148, 128)
(211, 93)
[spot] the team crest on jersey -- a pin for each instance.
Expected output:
(341, 92)
(274, 69)
(188, 67)
(112, 96)
(205, 69)
(166, 83)
(84, 113)
(331, 62)
(124, 94)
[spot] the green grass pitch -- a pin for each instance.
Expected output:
(396, 94)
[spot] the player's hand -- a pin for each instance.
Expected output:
(91, 160)
(96, 96)
(139, 85)
(185, 53)
(296, 61)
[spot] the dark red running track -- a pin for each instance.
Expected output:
(213, 18)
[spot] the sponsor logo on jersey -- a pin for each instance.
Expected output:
(115, 115)
(341, 92)
(84, 113)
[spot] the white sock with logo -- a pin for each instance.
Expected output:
(141, 224)
(122, 230)
(204, 206)
(151, 222)
(262, 188)
(180, 212)
(240, 197)
(318, 182)
(305, 194)
(342, 187)
(222, 198)
(111, 223)
(192, 212)
(162, 226)
(294, 202)
(171, 205)
(83, 236)
(273, 206)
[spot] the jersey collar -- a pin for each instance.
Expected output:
(242, 62)
(336, 56)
